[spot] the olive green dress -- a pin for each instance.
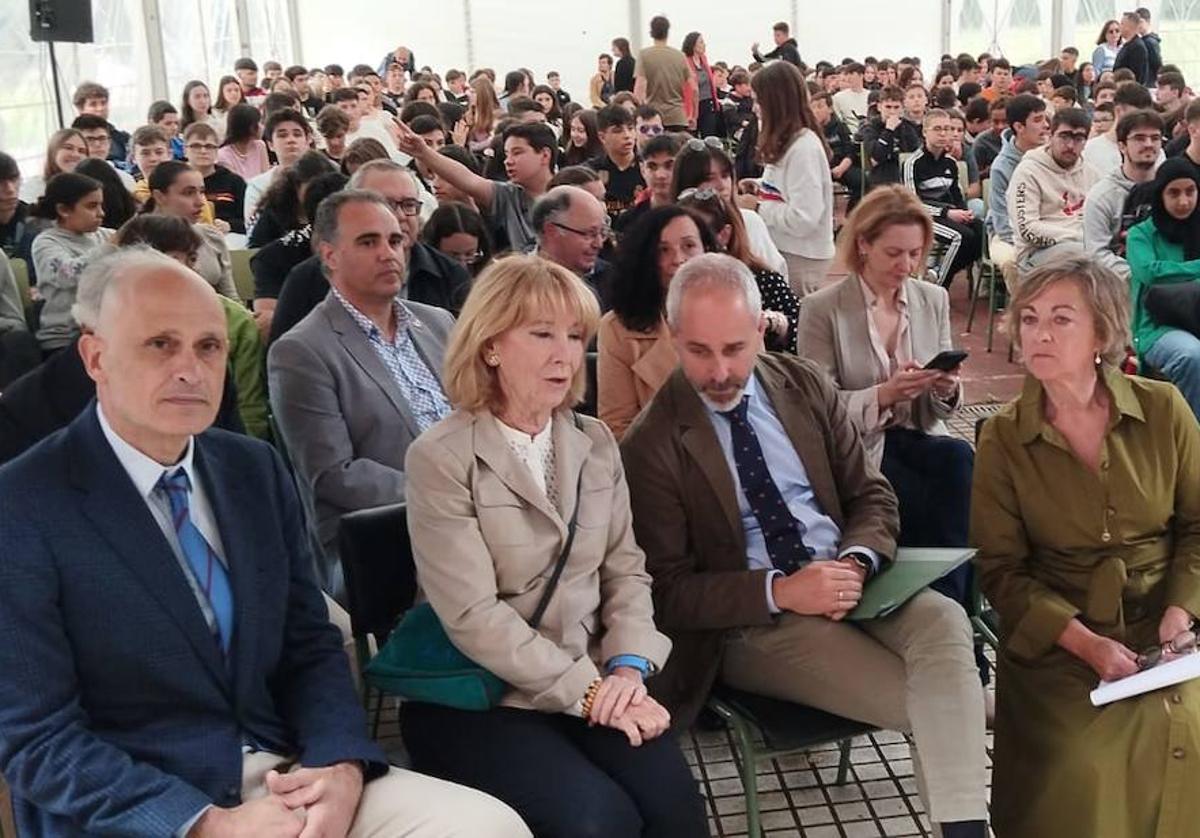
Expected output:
(1056, 541)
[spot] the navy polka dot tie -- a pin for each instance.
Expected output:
(784, 535)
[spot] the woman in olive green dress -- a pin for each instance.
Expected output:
(1086, 513)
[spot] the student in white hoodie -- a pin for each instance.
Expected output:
(795, 196)
(1108, 212)
(1047, 192)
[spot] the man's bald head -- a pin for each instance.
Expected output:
(156, 343)
(571, 226)
(106, 282)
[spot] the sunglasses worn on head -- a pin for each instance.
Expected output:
(697, 144)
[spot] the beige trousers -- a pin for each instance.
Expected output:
(912, 671)
(404, 804)
(1005, 257)
(806, 275)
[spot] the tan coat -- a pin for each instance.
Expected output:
(687, 519)
(833, 332)
(486, 539)
(1113, 549)
(630, 368)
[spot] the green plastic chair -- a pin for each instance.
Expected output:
(766, 728)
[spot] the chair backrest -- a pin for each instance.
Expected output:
(243, 277)
(588, 406)
(964, 179)
(377, 560)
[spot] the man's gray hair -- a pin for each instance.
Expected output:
(712, 270)
(550, 205)
(104, 272)
(325, 225)
(371, 166)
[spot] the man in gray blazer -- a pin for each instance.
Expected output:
(359, 378)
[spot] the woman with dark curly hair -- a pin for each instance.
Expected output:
(281, 209)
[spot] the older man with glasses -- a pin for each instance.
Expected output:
(572, 228)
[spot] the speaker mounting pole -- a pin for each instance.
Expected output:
(58, 103)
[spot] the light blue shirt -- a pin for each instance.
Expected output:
(403, 361)
(821, 533)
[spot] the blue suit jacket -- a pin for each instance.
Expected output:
(118, 714)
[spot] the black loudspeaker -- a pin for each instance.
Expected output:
(61, 20)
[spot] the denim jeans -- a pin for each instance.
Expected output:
(1177, 355)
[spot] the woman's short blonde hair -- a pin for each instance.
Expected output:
(510, 292)
(884, 207)
(1106, 295)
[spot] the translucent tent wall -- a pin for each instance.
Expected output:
(148, 49)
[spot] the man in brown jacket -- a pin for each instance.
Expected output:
(761, 517)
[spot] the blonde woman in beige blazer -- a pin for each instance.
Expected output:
(635, 352)
(873, 332)
(577, 745)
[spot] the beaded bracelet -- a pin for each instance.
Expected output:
(589, 697)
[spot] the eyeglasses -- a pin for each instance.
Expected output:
(601, 233)
(201, 147)
(1148, 139)
(697, 144)
(1075, 137)
(650, 130)
(467, 259)
(408, 206)
(95, 139)
(1182, 644)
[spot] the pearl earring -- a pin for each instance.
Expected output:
(493, 360)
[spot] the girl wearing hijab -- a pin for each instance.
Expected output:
(1165, 250)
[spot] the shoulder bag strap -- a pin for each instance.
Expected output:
(544, 602)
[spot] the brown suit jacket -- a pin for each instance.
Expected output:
(486, 539)
(686, 514)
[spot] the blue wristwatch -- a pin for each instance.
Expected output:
(633, 661)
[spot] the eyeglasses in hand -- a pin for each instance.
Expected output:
(1182, 644)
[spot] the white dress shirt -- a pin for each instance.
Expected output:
(145, 473)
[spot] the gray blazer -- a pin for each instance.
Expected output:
(344, 421)
(833, 333)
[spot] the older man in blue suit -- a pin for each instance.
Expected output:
(168, 667)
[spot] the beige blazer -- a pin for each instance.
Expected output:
(833, 332)
(630, 368)
(486, 539)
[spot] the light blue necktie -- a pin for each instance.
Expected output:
(206, 566)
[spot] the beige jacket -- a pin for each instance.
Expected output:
(486, 539)
(833, 332)
(630, 368)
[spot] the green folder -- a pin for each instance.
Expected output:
(913, 570)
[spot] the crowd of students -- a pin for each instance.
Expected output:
(378, 205)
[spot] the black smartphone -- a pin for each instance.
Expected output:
(948, 360)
